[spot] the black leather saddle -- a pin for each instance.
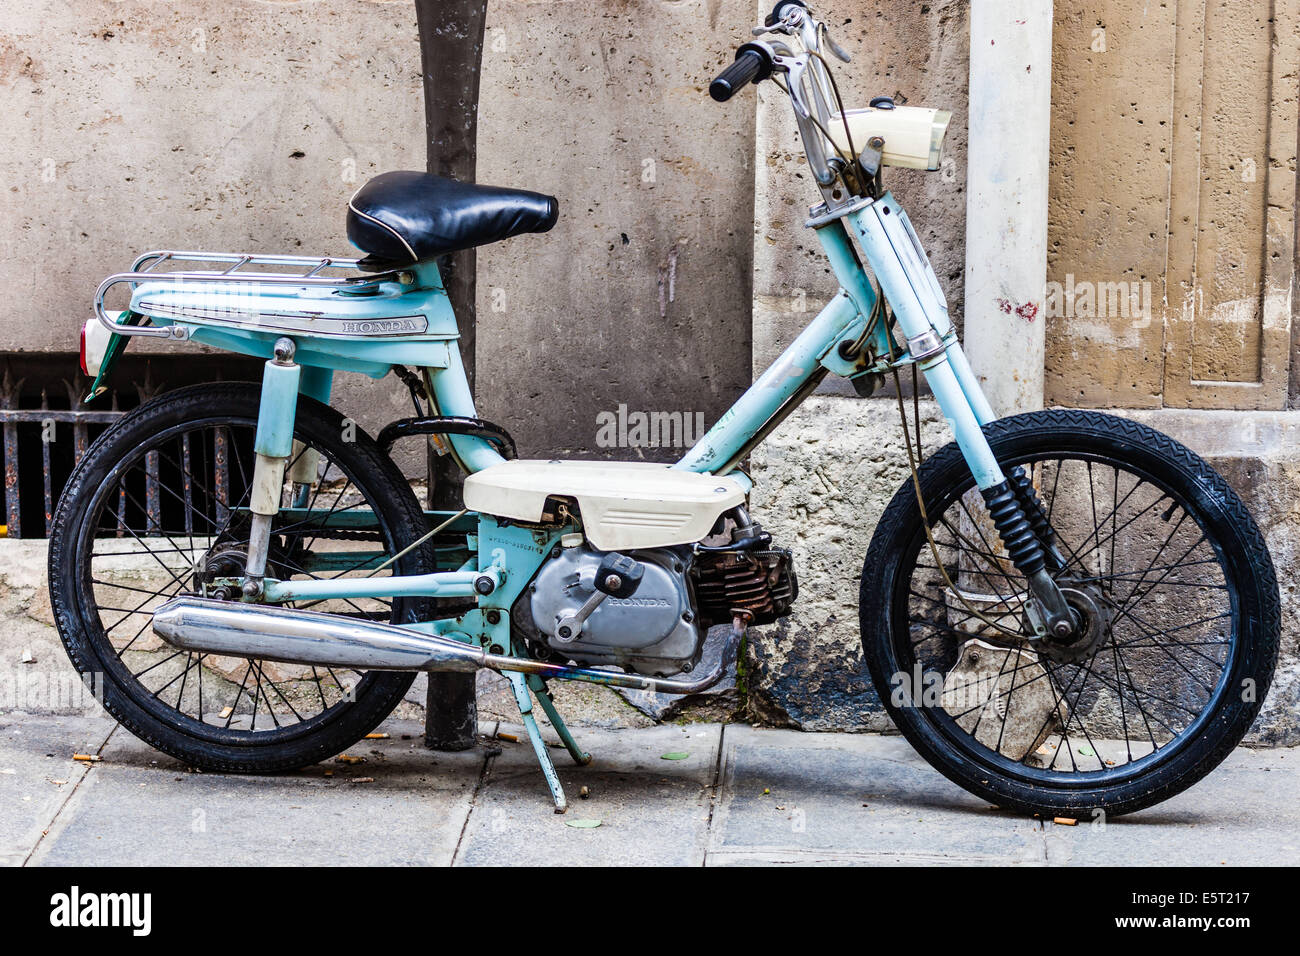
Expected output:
(403, 217)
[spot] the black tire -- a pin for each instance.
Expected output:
(908, 631)
(110, 472)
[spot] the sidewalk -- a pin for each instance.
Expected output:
(740, 796)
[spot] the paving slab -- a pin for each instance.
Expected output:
(652, 811)
(140, 807)
(1245, 813)
(791, 797)
(38, 774)
(739, 796)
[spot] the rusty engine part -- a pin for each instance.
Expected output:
(761, 583)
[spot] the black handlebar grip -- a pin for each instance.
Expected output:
(752, 63)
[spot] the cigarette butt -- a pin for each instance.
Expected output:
(363, 779)
(376, 736)
(349, 759)
(511, 738)
(1065, 821)
(88, 758)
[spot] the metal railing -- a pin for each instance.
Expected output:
(54, 423)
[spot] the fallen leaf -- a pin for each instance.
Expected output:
(225, 712)
(675, 755)
(582, 824)
(1087, 752)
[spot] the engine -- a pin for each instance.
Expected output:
(655, 624)
(653, 631)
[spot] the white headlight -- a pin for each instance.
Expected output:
(913, 135)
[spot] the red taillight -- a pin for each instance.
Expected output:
(84, 370)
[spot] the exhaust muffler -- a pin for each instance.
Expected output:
(306, 637)
(291, 636)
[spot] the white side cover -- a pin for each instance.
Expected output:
(624, 505)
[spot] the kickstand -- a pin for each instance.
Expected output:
(519, 683)
(543, 693)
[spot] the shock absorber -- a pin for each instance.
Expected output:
(1052, 615)
(1036, 516)
(1015, 529)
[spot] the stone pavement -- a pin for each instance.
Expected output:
(739, 796)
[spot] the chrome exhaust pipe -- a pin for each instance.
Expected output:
(306, 637)
(290, 636)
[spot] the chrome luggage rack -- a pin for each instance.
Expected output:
(143, 268)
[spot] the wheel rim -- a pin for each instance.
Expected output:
(170, 517)
(1135, 700)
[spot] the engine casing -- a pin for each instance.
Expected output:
(655, 632)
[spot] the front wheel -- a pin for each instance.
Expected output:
(1175, 591)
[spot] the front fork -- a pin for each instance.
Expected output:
(908, 283)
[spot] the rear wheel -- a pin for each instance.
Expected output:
(1173, 584)
(157, 508)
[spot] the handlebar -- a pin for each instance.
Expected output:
(753, 63)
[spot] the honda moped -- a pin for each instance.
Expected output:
(1065, 612)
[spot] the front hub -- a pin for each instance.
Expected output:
(1095, 614)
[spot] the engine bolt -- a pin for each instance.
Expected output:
(613, 582)
(493, 617)
(1062, 629)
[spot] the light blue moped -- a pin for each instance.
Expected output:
(1064, 612)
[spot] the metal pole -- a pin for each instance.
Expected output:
(451, 53)
(1006, 205)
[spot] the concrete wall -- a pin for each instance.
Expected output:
(240, 126)
(640, 294)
